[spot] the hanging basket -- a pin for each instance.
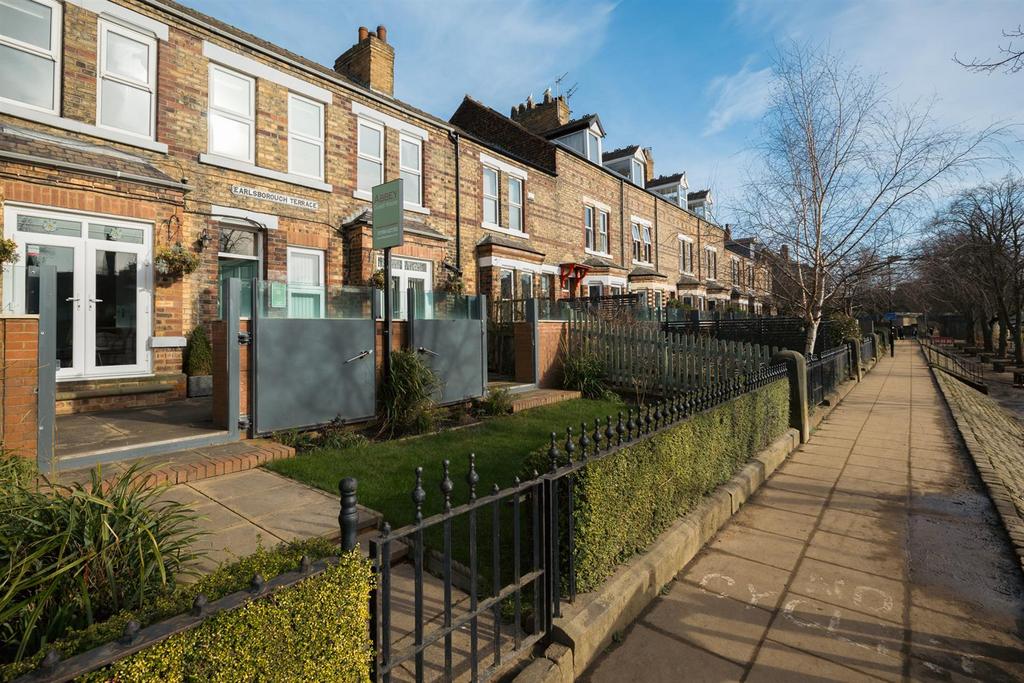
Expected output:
(8, 252)
(176, 261)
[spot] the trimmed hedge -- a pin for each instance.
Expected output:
(313, 631)
(624, 501)
(227, 579)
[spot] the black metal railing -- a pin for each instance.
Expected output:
(530, 529)
(825, 372)
(867, 348)
(962, 368)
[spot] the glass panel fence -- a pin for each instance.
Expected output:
(280, 300)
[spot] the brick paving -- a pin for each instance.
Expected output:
(872, 553)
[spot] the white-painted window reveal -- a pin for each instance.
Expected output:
(515, 203)
(411, 169)
(232, 116)
(490, 196)
(370, 161)
(127, 80)
(305, 137)
(30, 51)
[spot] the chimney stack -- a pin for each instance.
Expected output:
(370, 62)
(550, 113)
(728, 232)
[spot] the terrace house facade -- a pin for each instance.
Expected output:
(137, 130)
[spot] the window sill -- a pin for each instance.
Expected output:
(602, 254)
(29, 114)
(252, 169)
(414, 208)
(505, 231)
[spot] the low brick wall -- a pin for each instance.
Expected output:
(88, 396)
(19, 368)
(220, 372)
(550, 337)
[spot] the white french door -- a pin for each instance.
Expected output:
(104, 287)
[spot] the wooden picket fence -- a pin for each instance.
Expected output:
(641, 356)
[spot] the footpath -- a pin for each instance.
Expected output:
(873, 553)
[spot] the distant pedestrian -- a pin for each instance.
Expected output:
(892, 341)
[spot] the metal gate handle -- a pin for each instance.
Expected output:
(361, 354)
(424, 349)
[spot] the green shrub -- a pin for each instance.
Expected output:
(71, 556)
(840, 328)
(229, 578)
(497, 402)
(406, 401)
(313, 631)
(624, 501)
(198, 353)
(335, 435)
(583, 371)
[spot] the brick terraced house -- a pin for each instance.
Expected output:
(132, 131)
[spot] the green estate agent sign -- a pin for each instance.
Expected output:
(387, 215)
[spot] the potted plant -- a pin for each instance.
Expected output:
(199, 363)
(377, 279)
(453, 285)
(8, 252)
(176, 261)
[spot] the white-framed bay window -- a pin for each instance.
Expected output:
(305, 137)
(491, 201)
(30, 52)
(515, 203)
(126, 80)
(232, 114)
(370, 162)
(410, 164)
(305, 283)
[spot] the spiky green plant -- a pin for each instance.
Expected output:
(406, 402)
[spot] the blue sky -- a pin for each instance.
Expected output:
(689, 79)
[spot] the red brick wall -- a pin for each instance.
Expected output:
(19, 365)
(550, 337)
(218, 339)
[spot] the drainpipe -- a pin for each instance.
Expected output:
(657, 244)
(454, 137)
(622, 227)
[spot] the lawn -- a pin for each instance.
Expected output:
(386, 470)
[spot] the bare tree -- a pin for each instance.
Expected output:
(989, 220)
(1010, 59)
(844, 173)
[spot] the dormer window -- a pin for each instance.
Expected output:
(637, 173)
(593, 147)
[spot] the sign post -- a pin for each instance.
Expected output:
(388, 232)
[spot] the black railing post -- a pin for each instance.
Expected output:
(348, 518)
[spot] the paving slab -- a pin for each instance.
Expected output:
(874, 552)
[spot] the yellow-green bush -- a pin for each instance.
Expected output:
(625, 500)
(313, 631)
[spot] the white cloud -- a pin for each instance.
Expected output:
(740, 97)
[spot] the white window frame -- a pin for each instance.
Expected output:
(106, 27)
(496, 197)
(307, 289)
(638, 248)
(53, 54)
(601, 234)
(512, 206)
(648, 247)
(213, 111)
(318, 142)
(711, 263)
(685, 254)
(636, 171)
(734, 270)
(592, 138)
(418, 172)
(379, 127)
(589, 229)
(399, 270)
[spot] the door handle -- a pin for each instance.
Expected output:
(361, 354)
(71, 298)
(95, 301)
(423, 349)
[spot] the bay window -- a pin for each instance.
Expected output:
(305, 137)
(232, 114)
(411, 168)
(370, 153)
(305, 283)
(515, 203)
(127, 80)
(30, 51)
(490, 196)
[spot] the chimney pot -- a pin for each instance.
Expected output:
(382, 33)
(529, 102)
(547, 96)
(364, 33)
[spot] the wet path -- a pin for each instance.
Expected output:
(872, 553)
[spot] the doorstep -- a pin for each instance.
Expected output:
(193, 464)
(541, 397)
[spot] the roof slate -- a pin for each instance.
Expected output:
(64, 150)
(502, 132)
(626, 151)
(665, 180)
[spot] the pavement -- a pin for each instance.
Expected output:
(873, 553)
(240, 511)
